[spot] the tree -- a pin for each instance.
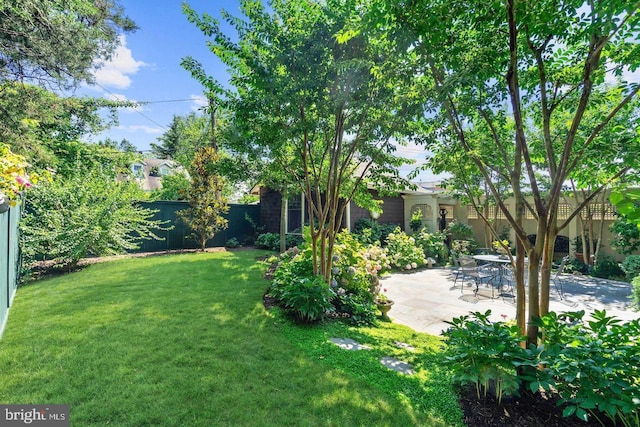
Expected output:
(50, 42)
(322, 103)
(42, 126)
(175, 186)
(525, 91)
(185, 135)
(204, 216)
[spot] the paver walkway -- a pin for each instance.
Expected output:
(425, 299)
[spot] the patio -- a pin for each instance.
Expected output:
(425, 299)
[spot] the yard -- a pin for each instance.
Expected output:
(185, 340)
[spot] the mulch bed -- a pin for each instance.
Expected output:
(529, 410)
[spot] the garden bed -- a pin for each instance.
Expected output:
(529, 410)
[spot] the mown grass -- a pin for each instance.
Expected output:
(184, 340)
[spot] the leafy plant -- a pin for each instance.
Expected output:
(635, 291)
(595, 364)
(404, 253)
(269, 241)
(88, 214)
(232, 243)
(607, 268)
(432, 244)
(486, 354)
(626, 236)
(416, 220)
(460, 231)
(207, 205)
(631, 266)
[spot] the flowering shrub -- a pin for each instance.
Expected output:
(404, 253)
(432, 245)
(13, 175)
(355, 270)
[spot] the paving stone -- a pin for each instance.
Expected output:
(349, 344)
(404, 345)
(398, 365)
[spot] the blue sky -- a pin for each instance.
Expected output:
(146, 68)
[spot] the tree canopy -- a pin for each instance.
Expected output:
(323, 105)
(49, 42)
(529, 94)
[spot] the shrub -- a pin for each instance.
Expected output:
(607, 268)
(350, 284)
(432, 244)
(595, 365)
(90, 214)
(367, 231)
(631, 266)
(576, 266)
(635, 291)
(307, 299)
(403, 251)
(416, 220)
(460, 231)
(270, 241)
(232, 243)
(486, 354)
(463, 247)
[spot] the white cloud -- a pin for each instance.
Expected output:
(143, 128)
(198, 101)
(117, 71)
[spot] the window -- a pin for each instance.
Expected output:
(137, 170)
(163, 170)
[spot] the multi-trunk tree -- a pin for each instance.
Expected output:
(323, 104)
(530, 92)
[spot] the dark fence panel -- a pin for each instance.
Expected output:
(9, 261)
(178, 236)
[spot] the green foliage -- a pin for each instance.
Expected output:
(13, 175)
(367, 230)
(486, 354)
(595, 364)
(416, 220)
(58, 43)
(269, 241)
(627, 204)
(232, 243)
(183, 138)
(631, 266)
(404, 252)
(635, 291)
(463, 247)
(175, 186)
(626, 236)
(83, 215)
(46, 128)
(288, 67)
(607, 268)
(460, 231)
(353, 275)
(433, 245)
(575, 265)
(207, 205)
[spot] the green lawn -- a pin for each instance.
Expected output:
(184, 340)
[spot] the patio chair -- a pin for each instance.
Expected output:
(556, 275)
(470, 270)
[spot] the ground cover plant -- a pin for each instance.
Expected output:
(588, 367)
(185, 340)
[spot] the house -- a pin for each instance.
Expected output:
(434, 203)
(149, 172)
(428, 198)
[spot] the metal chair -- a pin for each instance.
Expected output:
(556, 276)
(470, 270)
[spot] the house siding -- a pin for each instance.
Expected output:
(270, 204)
(392, 211)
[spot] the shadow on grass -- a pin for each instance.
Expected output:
(177, 340)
